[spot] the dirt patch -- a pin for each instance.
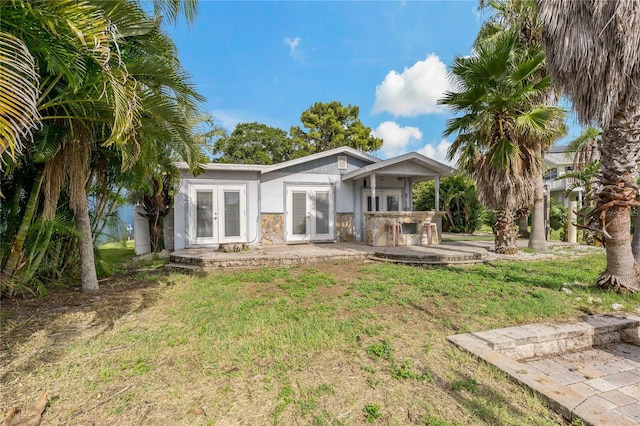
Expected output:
(34, 330)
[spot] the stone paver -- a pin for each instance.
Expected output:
(598, 383)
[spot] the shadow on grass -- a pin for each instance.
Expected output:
(479, 398)
(35, 332)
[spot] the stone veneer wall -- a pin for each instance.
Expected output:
(272, 228)
(346, 227)
(376, 225)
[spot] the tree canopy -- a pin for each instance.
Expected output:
(254, 143)
(332, 125)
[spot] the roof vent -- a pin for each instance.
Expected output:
(342, 162)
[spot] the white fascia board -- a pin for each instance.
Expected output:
(426, 162)
(224, 166)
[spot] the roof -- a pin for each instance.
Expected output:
(437, 167)
(558, 148)
(224, 167)
(559, 158)
(377, 164)
(340, 150)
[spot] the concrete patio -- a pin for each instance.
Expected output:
(293, 254)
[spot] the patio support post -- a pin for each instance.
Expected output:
(373, 192)
(436, 186)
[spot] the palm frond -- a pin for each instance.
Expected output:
(18, 94)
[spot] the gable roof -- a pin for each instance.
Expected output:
(318, 155)
(437, 167)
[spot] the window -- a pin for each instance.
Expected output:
(369, 209)
(551, 174)
(568, 169)
(390, 200)
(393, 202)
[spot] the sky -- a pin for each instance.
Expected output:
(269, 61)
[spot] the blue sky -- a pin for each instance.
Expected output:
(269, 61)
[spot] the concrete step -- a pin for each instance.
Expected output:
(182, 267)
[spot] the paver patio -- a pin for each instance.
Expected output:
(588, 370)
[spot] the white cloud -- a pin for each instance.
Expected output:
(438, 152)
(294, 51)
(396, 138)
(229, 118)
(414, 92)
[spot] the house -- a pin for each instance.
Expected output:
(336, 195)
(558, 162)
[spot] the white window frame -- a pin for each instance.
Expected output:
(382, 194)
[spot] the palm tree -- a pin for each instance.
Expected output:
(520, 17)
(598, 71)
(19, 92)
(104, 70)
(494, 88)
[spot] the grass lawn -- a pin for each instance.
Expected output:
(320, 344)
(110, 257)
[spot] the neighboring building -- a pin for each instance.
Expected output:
(328, 196)
(558, 162)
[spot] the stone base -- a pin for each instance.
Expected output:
(272, 228)
(376, 225)
(345, 225)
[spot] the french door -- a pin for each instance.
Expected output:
(218, 214)
(310, 213)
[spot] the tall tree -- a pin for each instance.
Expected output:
(332, 125)
(598, 71)
(494, 87)
(520, 17)
(110, 76)
(254, 143)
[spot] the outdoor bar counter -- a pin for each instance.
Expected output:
(377, 225)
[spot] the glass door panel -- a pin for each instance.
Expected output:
(299, 213)
(322, 211)
(231, 214)
(204, 214)
(393, 203)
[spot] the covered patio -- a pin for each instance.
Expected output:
(390, 220)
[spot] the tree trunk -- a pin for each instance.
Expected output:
(156, 232)
(537, 239)
(85, 247)
(523, 222)
(619, 159)
(622, 273)
(635, 243)
(18, 242)
(505, 232)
